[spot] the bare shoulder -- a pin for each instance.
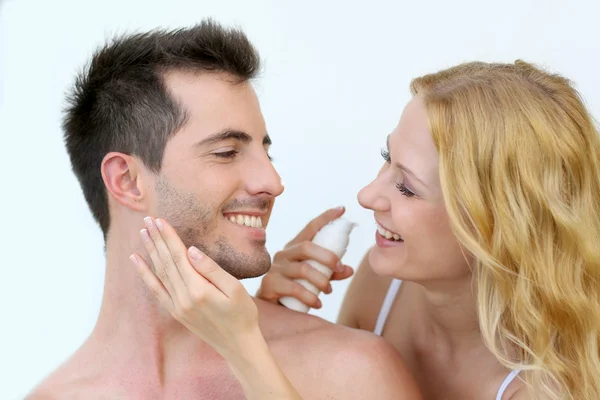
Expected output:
(73, 390)
(364, 297)
(366, 366)
(53, 386)
(333, 361)
(522, 394)
(76, 381)
(42, 394)
(54, 390)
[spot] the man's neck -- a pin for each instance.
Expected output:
(132, 321)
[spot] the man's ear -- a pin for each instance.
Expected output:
(123, 181)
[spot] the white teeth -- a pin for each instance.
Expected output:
(255, 222)
(246, 220)
(387, 234)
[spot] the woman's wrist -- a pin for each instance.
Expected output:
(257, 371)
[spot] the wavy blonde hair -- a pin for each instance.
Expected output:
(520, 173)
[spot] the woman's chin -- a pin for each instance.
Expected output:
(384, 264)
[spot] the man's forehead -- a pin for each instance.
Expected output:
(214, 105)
(199, 91)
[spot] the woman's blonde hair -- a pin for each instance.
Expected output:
(520, 173)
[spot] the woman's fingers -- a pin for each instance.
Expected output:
(303, 270)
(160, 256)
(314, 226)
(286, 287)
(347, 272)
(152, 282)
(310, 251)
(216, 275)
(158, 266)
(178, 253)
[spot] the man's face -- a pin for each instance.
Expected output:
(217, 185)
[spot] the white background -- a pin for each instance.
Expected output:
(335, 80)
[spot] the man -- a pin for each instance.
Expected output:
(168, 124)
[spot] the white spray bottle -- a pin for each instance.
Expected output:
(334, 237)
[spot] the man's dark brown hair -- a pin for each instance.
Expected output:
(120, 101)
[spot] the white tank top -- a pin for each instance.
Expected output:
(382, 318)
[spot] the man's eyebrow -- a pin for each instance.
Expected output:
(228, 134)
(403, 167)
(225, 134)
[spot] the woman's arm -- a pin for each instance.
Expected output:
(258, 372)
(213, 305)
(364, 297)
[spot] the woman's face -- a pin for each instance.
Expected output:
(414, 238)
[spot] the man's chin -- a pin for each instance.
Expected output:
(254, 267)
(251, 274)
(241, 265)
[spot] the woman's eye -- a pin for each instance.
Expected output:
(404, 190)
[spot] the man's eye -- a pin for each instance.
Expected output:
(226, 154)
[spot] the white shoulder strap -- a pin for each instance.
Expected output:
(511, 377)
(387, 306)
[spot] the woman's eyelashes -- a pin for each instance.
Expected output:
(404, 190)
(386, 155)
(399, 185)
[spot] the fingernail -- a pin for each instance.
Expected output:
(319, 304)
(195, 253)
(340, 208)
(145, 235)
(148, 222)
(159, 224)
(340, 266)
(133, 260)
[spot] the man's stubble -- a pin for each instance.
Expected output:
(195, 220)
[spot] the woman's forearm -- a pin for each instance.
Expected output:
(258, 373)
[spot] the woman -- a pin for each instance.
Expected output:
(488, 210)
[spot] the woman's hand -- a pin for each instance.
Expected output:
(290, 264)
(214, 306)
(195, 290)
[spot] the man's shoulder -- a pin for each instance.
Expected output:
(77, 381)
(42, 393)
(364, 365)
(62, 383)
(280, 324)
(52, 389)
(54, 385)
(59, 389)
(348, 359)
